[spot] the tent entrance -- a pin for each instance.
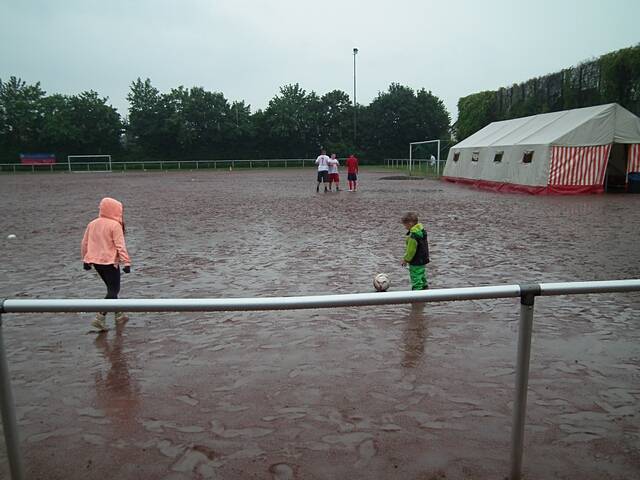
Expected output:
(615, 179)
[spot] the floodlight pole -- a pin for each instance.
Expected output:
(355, 103)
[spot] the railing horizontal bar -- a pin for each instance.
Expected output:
(306, 302)
(603, 286)
(268, 303)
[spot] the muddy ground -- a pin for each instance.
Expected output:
(360, 393)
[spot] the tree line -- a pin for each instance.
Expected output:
(193, 123)
(613, 77)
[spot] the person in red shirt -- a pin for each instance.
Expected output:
(352, 172)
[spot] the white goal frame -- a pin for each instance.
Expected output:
(106, 162)
(411, 144)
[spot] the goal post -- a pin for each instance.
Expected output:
(89, 163)
(436, 160)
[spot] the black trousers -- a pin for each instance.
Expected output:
(110, 275)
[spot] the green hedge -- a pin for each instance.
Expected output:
(614, 77)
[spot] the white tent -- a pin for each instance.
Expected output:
(573, 151)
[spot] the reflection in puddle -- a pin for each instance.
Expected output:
(117, 393)
(414, 336)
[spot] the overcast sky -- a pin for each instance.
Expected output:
(249, 49)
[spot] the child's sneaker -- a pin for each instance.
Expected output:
(121, 317)
(99, 324)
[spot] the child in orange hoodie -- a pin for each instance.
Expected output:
(103, 247)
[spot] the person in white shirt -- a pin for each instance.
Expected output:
(333, 172)
(323, 169)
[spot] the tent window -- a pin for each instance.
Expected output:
(475, 156)
(498, 157)
(527, 157)
(456, 156)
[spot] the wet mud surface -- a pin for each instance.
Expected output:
(361, 393)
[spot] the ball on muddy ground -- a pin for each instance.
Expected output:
(11, 236)
(381, 282)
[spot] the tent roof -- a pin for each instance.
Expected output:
(599, 125)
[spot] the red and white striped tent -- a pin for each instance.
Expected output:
(568, 152)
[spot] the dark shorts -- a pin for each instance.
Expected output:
(323, 176)
(352, 177)
(334, 177)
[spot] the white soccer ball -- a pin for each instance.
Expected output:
(11, 236)
(381, 282)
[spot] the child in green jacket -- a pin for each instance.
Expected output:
(416, 254)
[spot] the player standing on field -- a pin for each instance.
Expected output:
(104, 249)
(416, 254)
(333, 172)
(323, 169)
(352, 172)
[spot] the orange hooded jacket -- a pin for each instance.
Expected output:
(103, 241)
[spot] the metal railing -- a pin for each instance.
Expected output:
(526, 292)
(101, 166)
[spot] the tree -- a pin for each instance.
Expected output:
(21, 115)
(292, 123)
(336, 113)
(475, 112)
(433, 120)
(96, 127)
(33, 122)
(399, 116)
(200, 121)
(59, 128)
(148, 114)
(243, 132)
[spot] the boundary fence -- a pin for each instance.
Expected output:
(526, 293)
(144, 165)
(417, 166)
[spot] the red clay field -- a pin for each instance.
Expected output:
(394, 392)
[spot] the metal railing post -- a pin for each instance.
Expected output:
(525, 329)
(9, 424)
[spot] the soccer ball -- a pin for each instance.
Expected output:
(381, 282)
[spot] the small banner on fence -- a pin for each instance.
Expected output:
(37, 158)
